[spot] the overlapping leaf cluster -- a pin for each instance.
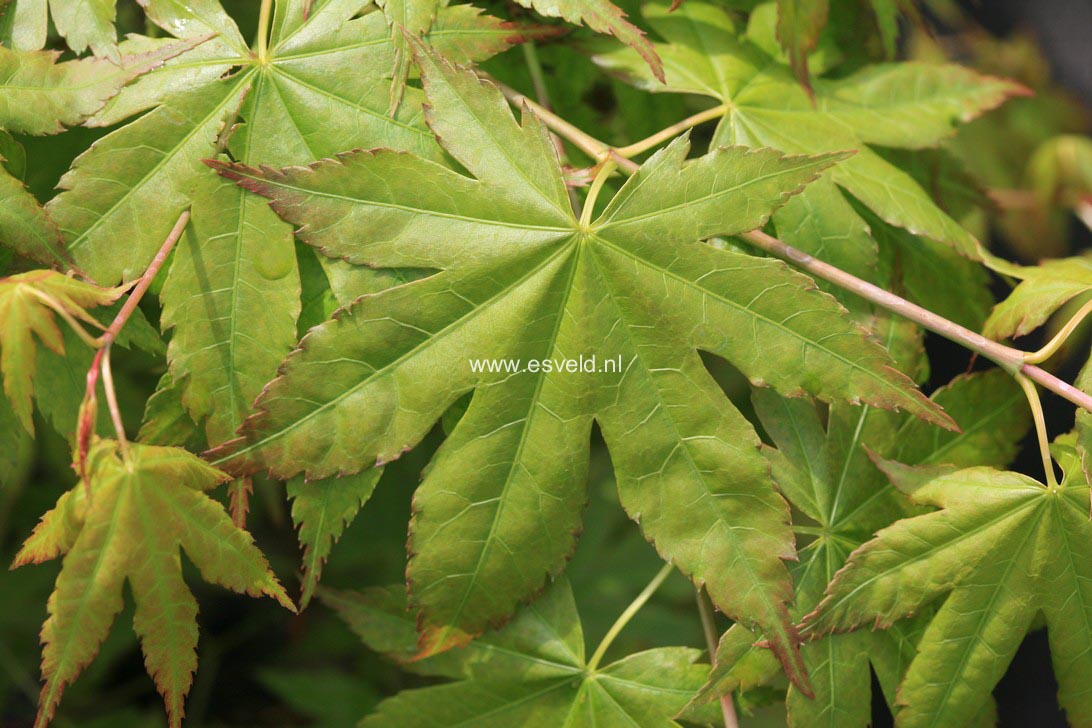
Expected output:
(377, 244)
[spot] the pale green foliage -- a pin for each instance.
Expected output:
(533, 672)
(232, 295)
(892, 105)
(372, 231)
(126, 523)
(519, 272)
(29, 304)
(1042, 290)
(826, 473)
(1004, 547)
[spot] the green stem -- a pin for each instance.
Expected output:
(263, 30)
(112, 404)
(709, 629)
(593, 193)
(64, 314)
(538, 78)
(627, 615)
(672, 131)
(1061, 337)
(1040, 428)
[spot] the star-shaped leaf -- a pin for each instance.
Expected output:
(1003, 548)
(28, 304)
(632, 291)
(826, 473)
(232, 294)
(532, 673)
(128, 522)
(903, 105)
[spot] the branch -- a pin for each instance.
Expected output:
(145, 280)
(1014, 361)
(101, 362)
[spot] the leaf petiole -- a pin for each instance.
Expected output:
(1061, 337)
(593, 193)
(69, 319)
(628, 614)
(709, 629)
(101, 362)
(263, 31)
(672, 131)
(1040, 427)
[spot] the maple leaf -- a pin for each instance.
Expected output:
(533, 672)
(28, 302)
(127, 522)
(232, 293)
(523, 278)
(1004, 548)
(603, 17)
(901, 105)
(826, 473)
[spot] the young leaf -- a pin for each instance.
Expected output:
(826, 473)
(24, 24)
(531, 673)
(405, 16)
(1003, 547)
(906, 105)
(1042, 290)
(87, 24)
(524, 279)
(28, 304)
(127, 522)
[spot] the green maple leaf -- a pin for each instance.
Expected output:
(1003, 548)
(532, 673)
(128, 522)
(903, 105)
(28, 304)
(523, 278)
(826, 473)
(232, 294)
(82, 23)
